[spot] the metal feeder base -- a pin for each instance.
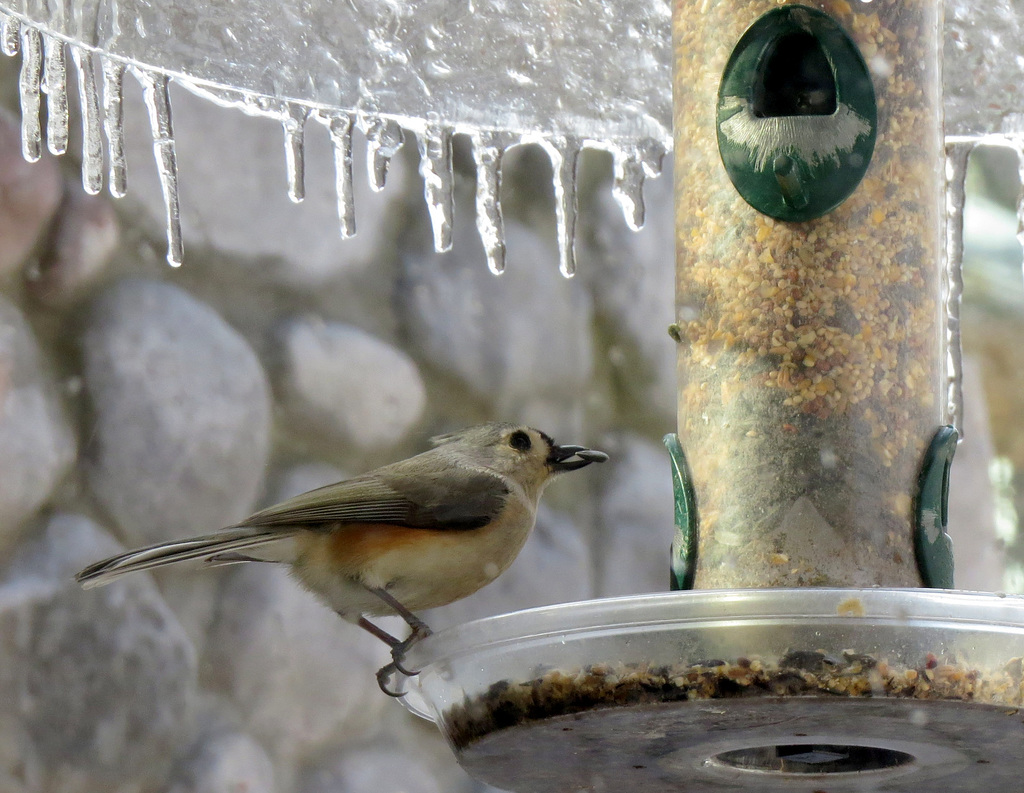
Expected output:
(799, 744)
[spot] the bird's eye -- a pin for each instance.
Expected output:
(519, 441)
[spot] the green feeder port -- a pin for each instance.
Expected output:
(796, 114)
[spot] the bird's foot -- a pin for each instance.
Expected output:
(384, 675)
(420, 631)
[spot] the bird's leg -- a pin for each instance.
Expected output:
(417, 625)
(420, 629)
(379, 633)
(385, 672)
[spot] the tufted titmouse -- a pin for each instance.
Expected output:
(415, 534)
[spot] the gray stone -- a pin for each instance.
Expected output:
(384, 767)
(182, 413)
(301, 678)
(555, 566)
(97, 687)
(632, 275)
(37, 444)
(517, 341)
(245, 211)
(224, 762)
(404, 754)
(305, 477)
(636, 519)
(339, 383)
(84, 240)
(29, 195)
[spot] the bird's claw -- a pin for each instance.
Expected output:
(420, 631)
(384, 675)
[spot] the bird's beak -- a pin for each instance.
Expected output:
(569, 458)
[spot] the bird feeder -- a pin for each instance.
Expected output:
(813, 642)
(816, 645)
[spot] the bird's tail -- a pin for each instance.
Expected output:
(238, 544)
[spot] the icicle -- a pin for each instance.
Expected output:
(295, 150)
(154, 93)
(29, 85)
(631, 168)
(55, 86)
(383, 140)
(436, 169)
(628, 189)
(340, 127)
(957, 155)
(10, 35)
(564, 155)
(113, 125)
(1019, 146)
(488, 148)
(92, 137)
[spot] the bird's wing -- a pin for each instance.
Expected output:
(450, 497)
(218, 548)
(365, 499)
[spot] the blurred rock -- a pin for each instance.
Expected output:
(96, 686)
(36, 443)
(632, 275)
(182, 413)
(299, 675)
(516, 340)
(302, 478)
(343, 383)
(637, 519)
(29, 195)
(245, 211)
(85, 237)
(555, 566)
(225, 762)
(382, 767)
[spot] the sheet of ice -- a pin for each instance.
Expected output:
(567, 75)
(983, 69)
(596, 74)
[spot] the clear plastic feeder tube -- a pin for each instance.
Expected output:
(811, 354)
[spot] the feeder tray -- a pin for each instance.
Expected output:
(775, 689)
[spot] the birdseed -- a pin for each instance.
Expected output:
(798, 673)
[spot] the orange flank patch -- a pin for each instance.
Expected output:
(353, 545)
